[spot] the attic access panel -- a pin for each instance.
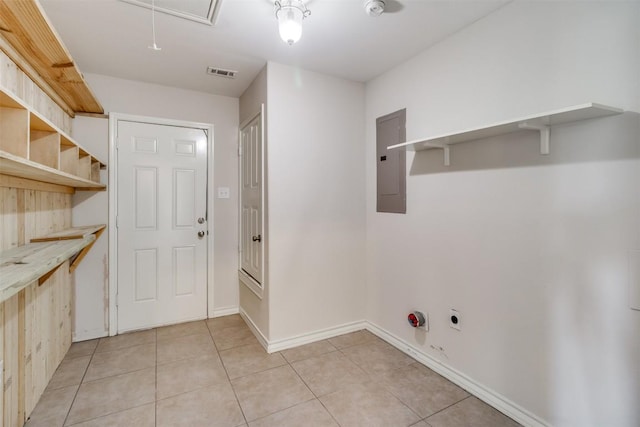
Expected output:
(202, 11)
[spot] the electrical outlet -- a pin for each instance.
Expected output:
(224, 193)
(454, 319)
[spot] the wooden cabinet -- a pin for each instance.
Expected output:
(31, 147)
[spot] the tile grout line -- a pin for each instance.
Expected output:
(239, 346)
(298, 375)
(445, 408)
(111, 376)
(81, 382)
(284, 409)
(117, 374)
(227, 373)
(307, 385)
(390, 391)
(343, 351)
(346, 356)
(189, 334)
(156, 380)
(258, 372)
(108, 414)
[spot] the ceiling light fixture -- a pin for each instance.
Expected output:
(290, 14)
(374, 7)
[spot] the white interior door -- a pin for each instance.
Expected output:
(161, 224)
(251, 232)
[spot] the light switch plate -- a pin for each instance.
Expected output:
(224, 193)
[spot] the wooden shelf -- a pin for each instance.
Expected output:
(33, 148)
(32, 43)
(538, 122)
(16, 166)
(21, 266)
(72, 233)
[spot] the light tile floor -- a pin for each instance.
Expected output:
(215, 373)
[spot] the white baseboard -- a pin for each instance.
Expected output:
(89, 335)
(283, 344)
(322, 334)
(256, 331)
(224, 311)
(483, 393)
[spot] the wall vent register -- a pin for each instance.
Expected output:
(220, 72)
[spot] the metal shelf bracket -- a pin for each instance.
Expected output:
(544, 134)
(445, 148)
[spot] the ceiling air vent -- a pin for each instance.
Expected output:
(230, 74)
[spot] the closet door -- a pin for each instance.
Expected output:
(251, 227)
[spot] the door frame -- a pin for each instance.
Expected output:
(114, 118)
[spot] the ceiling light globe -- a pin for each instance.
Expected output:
(290, 23)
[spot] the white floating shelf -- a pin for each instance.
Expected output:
(538, 122)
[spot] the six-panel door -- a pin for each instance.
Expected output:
(162, 228)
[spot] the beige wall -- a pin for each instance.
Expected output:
(315, 205)
(253, 307)
(316, 202)
(532, 250)
(124, 96)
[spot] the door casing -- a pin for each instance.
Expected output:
(113, 197)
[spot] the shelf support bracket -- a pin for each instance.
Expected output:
(447, 155)
(46, 276)
(544, 134)
(445, 148)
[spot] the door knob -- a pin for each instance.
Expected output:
(201, 234)
(257, 238)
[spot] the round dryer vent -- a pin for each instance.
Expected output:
(374, 7)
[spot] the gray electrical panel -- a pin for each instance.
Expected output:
(391, 165)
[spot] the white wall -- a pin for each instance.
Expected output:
(316, 201)
(257, 309)
(124, 96)
(532, 250)
(91, 310)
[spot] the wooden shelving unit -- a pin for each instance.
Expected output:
(41, 166)
(31, 147)
(538, 122)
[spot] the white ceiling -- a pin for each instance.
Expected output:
(111, 37)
